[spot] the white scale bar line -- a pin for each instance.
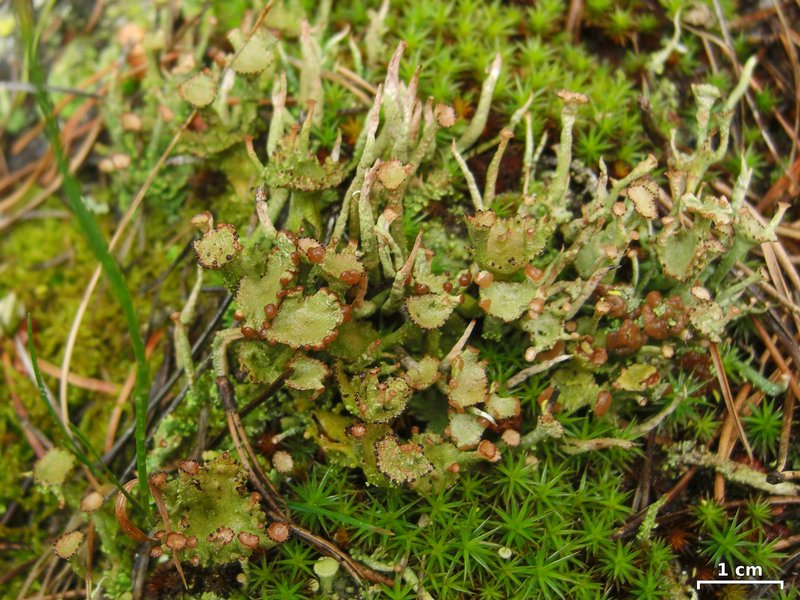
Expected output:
(739, 582)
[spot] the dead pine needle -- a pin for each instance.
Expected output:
(728, 396)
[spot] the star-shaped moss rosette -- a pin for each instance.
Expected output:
(505, 246)
(214, 519)
(371, 398)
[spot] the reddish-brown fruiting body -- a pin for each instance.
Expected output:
(176, 541)
(488, 450)
(190, 467)
(270, 310)
(350, 277)
(484, 279)
(356, 430)
(421, 288)
(316, 254)
(533, 273)
(602, 403)
(347, 313)
(278, 531)
(248, 540)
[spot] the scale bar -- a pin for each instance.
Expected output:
(739, 582)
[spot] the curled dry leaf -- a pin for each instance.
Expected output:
(121, 512)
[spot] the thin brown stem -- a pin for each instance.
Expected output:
(789, 402)
(277, 511)
(728, 396)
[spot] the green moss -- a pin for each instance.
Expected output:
(532, 523)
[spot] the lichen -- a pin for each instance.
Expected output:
(214, 519)
(369, 301)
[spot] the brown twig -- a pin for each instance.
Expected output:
(728, 396)
(791, 52)
(87, 383)
(12, 178)
(573, 25)
(634, 523)
(356, 570)
(642, 496)
(788, 407)
(12, 572)
(22, 142)
(786, 543)
(781, 190)
(74, 165)
(33, 435)
(59, 595)
(268, 491)
(154, 485)
(725, 446)
(264, 486)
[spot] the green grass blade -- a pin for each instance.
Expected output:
(91, 232)
(66, 439)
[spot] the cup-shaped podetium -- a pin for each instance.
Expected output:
(295, 166)
(505, 246)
